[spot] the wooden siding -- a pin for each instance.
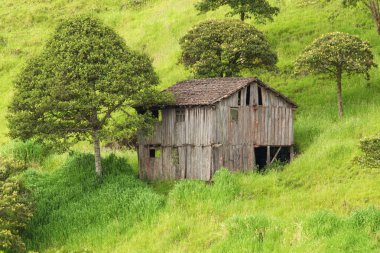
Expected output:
(208, 138)
(197, 129)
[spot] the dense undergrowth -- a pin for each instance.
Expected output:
(72, 199)
(323, 202)
(74, 211)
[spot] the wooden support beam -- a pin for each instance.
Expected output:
(275, 156)
(268, 155)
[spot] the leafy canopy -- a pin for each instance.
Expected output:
(223, 48)
(336, 52)
(260, 9)
(84, 77)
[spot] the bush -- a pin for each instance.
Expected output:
(371, 149)
(15, 207)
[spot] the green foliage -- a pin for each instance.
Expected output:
(250, 234)
(334, 52)
(84, 75)
(15, 207)
(71, 200)
(371, 149)
(356, 233)
(220, 48)
(260, 9)
(136, 4)
(29, 152)
(71, 91)
(372, 5)
(321, 177)
(223, 190)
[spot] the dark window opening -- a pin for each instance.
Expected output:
(239, 97)
(140, 111)
(248, 95)
(234, 114)
(154, 152)
(282, 155)
(180, 115)
(157, 114)
(260, 96)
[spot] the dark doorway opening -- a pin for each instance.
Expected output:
(281, 154)
(261, 157)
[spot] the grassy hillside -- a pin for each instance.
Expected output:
(322, 202)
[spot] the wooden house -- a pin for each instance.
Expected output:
(237, 123)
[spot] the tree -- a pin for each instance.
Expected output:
(372, 5)
(335, 54)
(83, 78)
(222, 48)
(260, 9)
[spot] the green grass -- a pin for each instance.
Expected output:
(322, 202)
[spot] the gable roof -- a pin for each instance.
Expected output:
(209, 91)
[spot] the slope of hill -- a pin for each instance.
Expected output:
(322, 202)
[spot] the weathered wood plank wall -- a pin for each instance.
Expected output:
(208, 138)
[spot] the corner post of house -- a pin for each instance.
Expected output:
(268, 155)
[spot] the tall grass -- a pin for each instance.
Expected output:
(76, 210)
(322, 202)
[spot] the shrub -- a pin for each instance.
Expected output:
(15, 207)
(371, 149)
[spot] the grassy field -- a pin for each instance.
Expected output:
(322, 202)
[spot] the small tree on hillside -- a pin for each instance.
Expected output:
(83, 78)
(222, 48)
(260, 9)
(372, 5)
(335, 54)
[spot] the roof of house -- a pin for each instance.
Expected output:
(209, 91)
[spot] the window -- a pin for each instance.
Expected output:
(260, 95)
(154, 152)
(234, 114)
(239, 97)
(248, 95)
(180, 115)
(157, 114)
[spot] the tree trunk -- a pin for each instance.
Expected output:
(242, 16)
(98, 162)
(374, 7)
(339, 83)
